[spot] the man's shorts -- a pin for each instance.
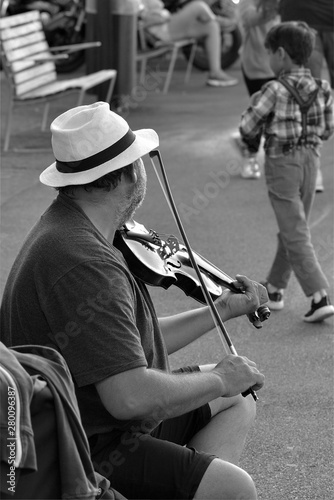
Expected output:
(158, 465)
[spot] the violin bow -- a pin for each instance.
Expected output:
(215, 314)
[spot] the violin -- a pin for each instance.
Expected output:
(163, 260)
(174, 259)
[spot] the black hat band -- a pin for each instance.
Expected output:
(71, 167)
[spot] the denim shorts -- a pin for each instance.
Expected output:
(159, 465)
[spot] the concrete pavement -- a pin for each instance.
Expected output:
(229, 221)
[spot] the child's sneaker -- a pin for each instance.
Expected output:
(319, 311)
(222, 82)
(275, 302)
(251, 169)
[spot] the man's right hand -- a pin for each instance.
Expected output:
(238, 374)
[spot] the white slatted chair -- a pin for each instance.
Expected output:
(29, 64)
(145, 53)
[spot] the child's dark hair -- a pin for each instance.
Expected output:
(296, 38)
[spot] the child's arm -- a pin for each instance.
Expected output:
(256, 114)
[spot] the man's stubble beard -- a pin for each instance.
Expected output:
(135, 198)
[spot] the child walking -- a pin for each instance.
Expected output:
(292, 159)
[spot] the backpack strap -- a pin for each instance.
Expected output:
(304, 105)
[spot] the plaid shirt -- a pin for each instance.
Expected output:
(275, 111)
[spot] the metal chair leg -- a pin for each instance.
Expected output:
(111, 88)
(81, 97)
(170, 69)
(142, 73)
(45, 116)
(8, 126)
(190, 63)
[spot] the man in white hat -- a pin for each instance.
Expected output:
(72, 290)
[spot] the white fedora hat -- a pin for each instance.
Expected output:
(91, 141)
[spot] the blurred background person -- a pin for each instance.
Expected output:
(256, 17)
(194, 20)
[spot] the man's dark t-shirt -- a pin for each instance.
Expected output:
(71, 289)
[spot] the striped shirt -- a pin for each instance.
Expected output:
(275, 111)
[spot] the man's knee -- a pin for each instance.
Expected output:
(246, 407)
(225, 481)
(245, 413)
(249, 407)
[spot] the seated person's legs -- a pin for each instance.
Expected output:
(185, 457)
(225, 481)
(196, 20)
(158, 464)
(193, 20)
(225, 434)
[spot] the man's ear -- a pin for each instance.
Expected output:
(130, 175)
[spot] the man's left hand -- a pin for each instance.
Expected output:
(232, 304)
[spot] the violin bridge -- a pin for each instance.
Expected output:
(168, 248)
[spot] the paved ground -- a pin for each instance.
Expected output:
(228, 220)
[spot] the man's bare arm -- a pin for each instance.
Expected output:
(154, 395)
